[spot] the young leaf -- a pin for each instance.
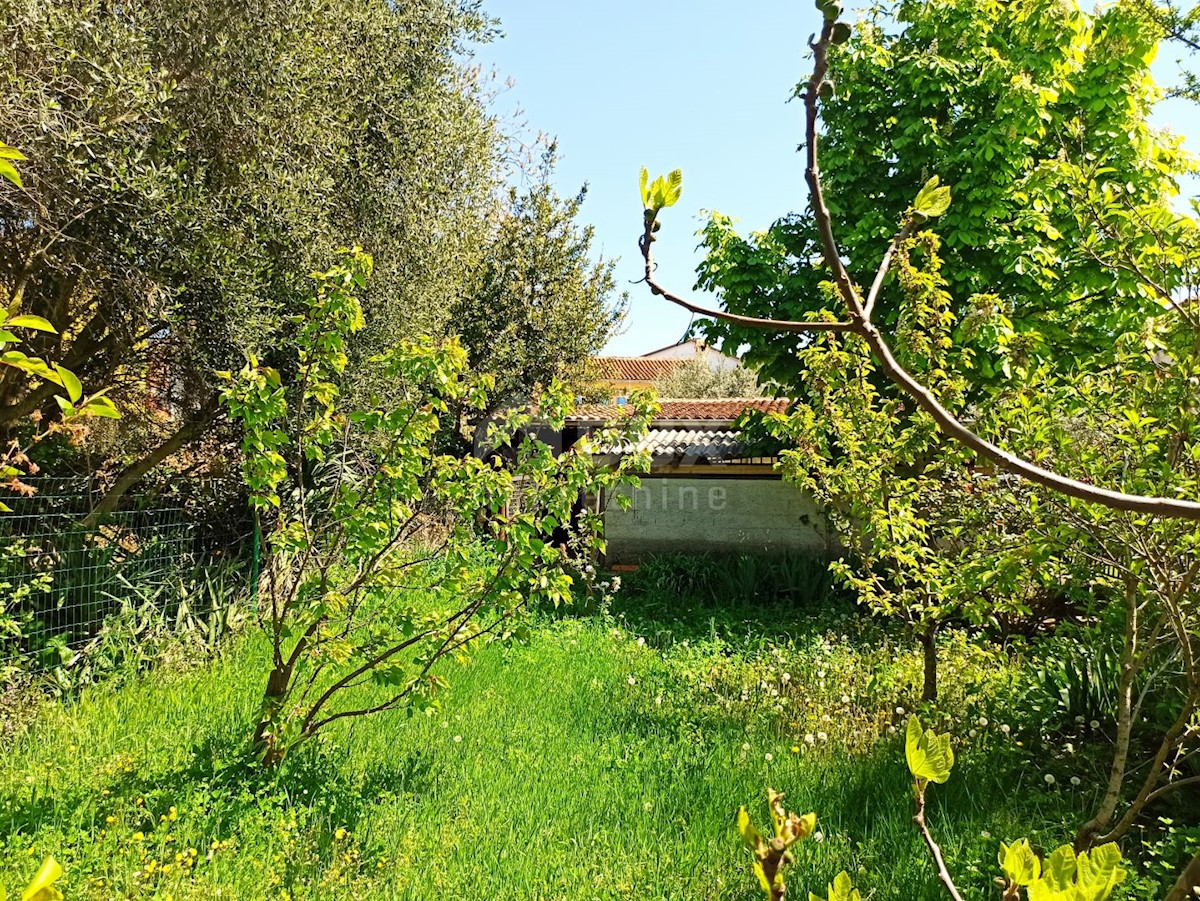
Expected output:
(674, 189)
(1020, 865)
(930, 757)
(1099, 872)
(932, 201)
(840, 890)
(746, 829)
(645, 188)
(42, 888)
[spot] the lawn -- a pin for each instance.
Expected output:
(605, 758)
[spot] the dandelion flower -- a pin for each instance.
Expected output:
(821, 736)
(649, 805)
(769, 757)
(899, 711)
(632, 680)
(809, 738)
(818, 836)
(845, 699)
(1076, 781)
(1005, 729)
(972, 734)
(983, 722)
(1095, 724)
(1049, 777)
(457, 739)
(745, 746)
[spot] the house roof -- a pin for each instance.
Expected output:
(685, 443)
(635, 369)
(708, 410)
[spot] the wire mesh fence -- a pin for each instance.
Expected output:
(63, 577)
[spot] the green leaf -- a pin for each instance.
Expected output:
(746, 829)
(645, 188)
(11, 153)
(1099, 872)
(102, 407)
(932, 200)
(930, 757)
(1059, 869)
(9, 171)
(70, 381)
(33, 322)
(1020, 865)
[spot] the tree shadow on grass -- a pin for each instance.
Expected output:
(749, 602)
(228, 784)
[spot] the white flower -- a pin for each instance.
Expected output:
(899, 711)
(641, 642)
(983, 722)
(658, 700)
(1076, 781)
(825, 718)
(649, 806)
(1049, 777)
(774, 692)
(1070, 748)
(769, 757)
(1095, 724)
(821, 736)
(1005, 729)
(632, 680)
(616, 583)
(972, 734)
(1079, 720)
(745, 746)
(809, 738)
(818, 836)
(891, 730)
(985, 834)
(786, 677)
(457, 739)
(845, 699)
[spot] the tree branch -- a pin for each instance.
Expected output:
(860, 324)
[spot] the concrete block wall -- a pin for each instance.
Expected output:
(722, 515)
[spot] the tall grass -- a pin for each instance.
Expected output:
(585, 764)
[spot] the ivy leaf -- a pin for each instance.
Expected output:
(929, 755)
(1020, 865)
(932, 200)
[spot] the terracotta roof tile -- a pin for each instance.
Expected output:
(635, 369)
(707, 410)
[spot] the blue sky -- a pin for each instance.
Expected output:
(701, 85)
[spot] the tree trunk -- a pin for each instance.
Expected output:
(273, 698)
(928, 639)
(187, 433)
(1188, 885)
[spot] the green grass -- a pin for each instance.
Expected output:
(582, 765)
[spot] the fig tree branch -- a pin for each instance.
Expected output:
(859, 322)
